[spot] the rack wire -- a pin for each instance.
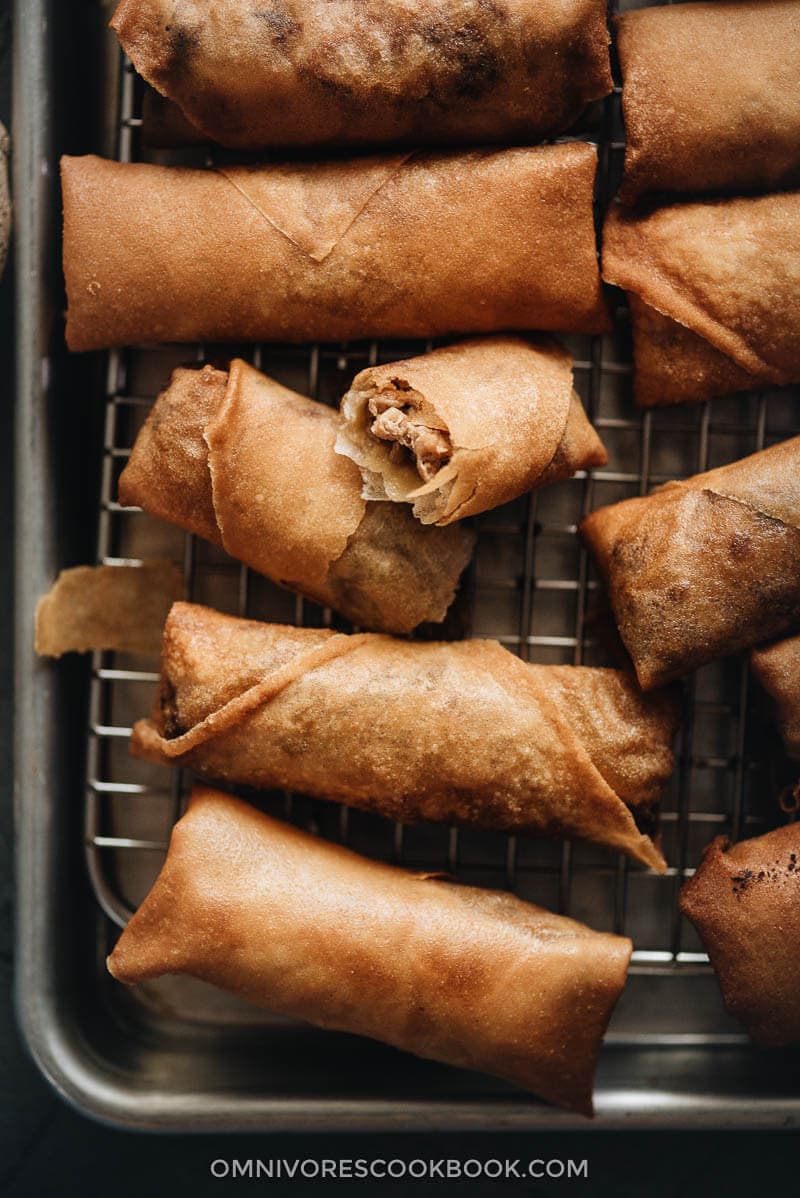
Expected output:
(532, 587)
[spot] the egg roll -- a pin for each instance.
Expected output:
(474, 978)
(467, 427)
(327, 73)
(250, 466)
(745, 903)
(710, 97)
(705, 567)
(777, 668)
(712, 288)
(409, 244)
(461, 732)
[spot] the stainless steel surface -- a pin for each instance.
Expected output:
(176, 1053)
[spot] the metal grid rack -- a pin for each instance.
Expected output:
(531, 587)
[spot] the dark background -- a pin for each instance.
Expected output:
(48, 1149)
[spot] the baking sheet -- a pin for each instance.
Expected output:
(532, 587)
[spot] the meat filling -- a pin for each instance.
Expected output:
(400, 422)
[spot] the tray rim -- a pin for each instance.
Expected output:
(65, 1058)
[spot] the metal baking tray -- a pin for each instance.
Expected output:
(93, 823)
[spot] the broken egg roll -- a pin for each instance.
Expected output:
(250, 466)
(744, 901)
(710, 97)
(704, 567)
(712, 289)
(777, 668)
(467, 427)
(307, 929)
(461, 732)
(328, 73)
(413, 244)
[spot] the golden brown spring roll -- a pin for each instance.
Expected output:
(468, 427)
(473, 978)
(401, 245)
(745, 903)
(710, 97)
(713, 292)
(354, 72)
(464, 733)
(705, 567)
(249, 465)
(777, 668)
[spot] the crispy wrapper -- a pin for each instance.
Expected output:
(710, 97)
(249, 465)
(307, 929)
(107, 607)
(777, 668)
(464, 733)
(705, 567)
(332, 73)
(713, 288)
(163, 124)
(398, 245)
(745, 903)
(468, 427)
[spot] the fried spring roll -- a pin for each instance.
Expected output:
(249, 465)
(344, 73)
(710, 97)
(307, 929)
(745, 903)
(705, 567)
(713, 291)
(777, 668)
(466, 428)
(401, 245)
(463, 733)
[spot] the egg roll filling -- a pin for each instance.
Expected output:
(412, 438)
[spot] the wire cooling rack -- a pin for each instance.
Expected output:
(531, 587)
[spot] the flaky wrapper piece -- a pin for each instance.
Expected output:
(462, 733)
(710, 97)
(412, 244)
(107, 607)
(777, 668)
(249, 465)
(745, 903)
(713, 288)
(474, 978)
(338, 73)
(504, 407)
(705, 567)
